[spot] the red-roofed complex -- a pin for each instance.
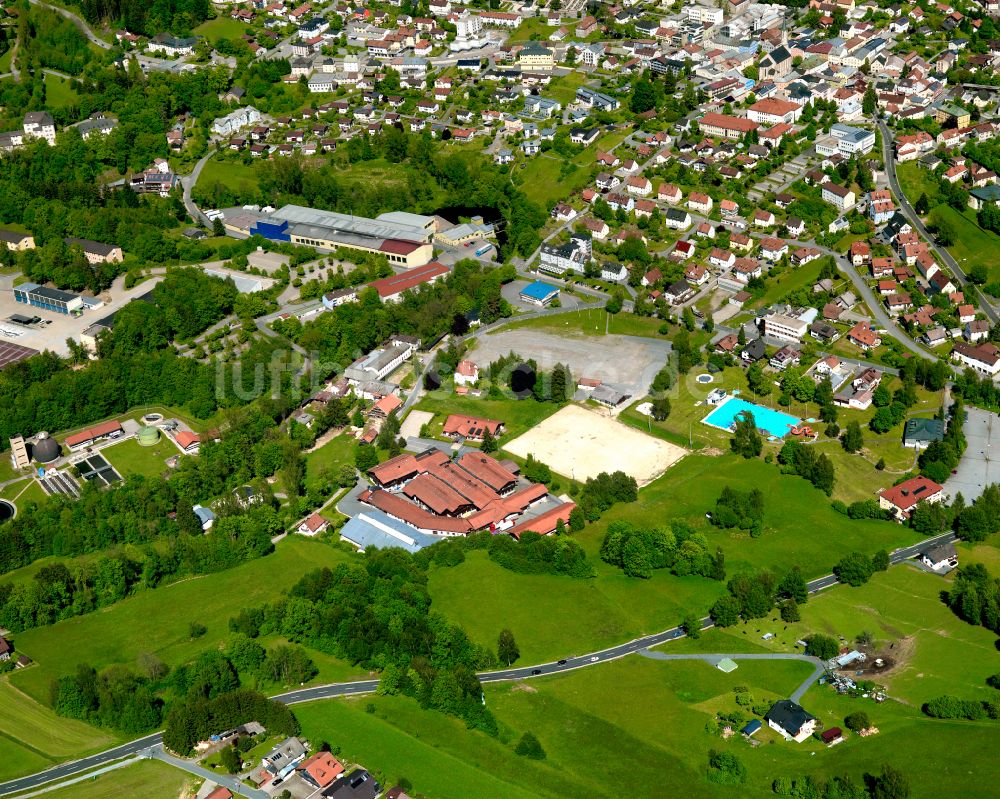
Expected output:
(445, 497)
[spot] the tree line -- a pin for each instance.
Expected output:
(640, 551)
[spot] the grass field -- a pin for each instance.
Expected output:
(800, 527)
(221, 28)
(937, 652)
(33, 730)
(58, 91)
(157, 621)
(973, 245)
(593, 322)
(517, 415)
(791, 280)
(553, 616)
(543, 180)
(232, 174)
(564, 87)
(148, 779)
(130, 458)
(636, 727)
(335, 453)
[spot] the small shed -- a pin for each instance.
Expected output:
(727, 665)
(752, 727)
(832, 736)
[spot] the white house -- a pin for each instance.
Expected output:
(235, 120)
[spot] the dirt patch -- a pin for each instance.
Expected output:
(579, 444)
(523, 686)
(712, 452)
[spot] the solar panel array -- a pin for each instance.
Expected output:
(12, 353)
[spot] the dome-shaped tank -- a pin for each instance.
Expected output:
(148, 436)
(45, 449)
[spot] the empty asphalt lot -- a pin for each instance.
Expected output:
(627, 362)
(980, 464)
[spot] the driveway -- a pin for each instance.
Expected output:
(818, 665)
(980, 465)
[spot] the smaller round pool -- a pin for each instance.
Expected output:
(152, 418)
(704, 378)
(7, 511)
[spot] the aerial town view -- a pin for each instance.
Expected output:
(499, 399)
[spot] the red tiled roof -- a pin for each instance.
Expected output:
(102, 429)
(185, 439)
(314, 522)
(544, 523)
(469, 426)
(323, 767)
(487, 469)
(390, 286)
(907, 494)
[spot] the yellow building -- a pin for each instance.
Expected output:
(535, 58)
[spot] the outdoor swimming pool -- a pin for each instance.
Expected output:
(775, 423)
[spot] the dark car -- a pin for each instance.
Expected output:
(562, 662)
(535, 671)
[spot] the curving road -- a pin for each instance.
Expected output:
(941, 252)
(361, 687)
(76, 20)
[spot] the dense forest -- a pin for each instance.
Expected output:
(179, 16)
(341, 335)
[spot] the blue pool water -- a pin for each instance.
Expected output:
(775, 423)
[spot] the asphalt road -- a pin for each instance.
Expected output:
(941, 252)
(362, 687)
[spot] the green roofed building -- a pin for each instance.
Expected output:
(920, 433)
(727, 665)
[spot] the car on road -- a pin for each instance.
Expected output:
(535, 672)
(594, 658)
(562, 662)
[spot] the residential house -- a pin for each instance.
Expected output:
(314, 524)
(790, 720)
(983, 358)
(863, 336)
(902, 499)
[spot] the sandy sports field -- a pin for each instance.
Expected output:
(581, 443)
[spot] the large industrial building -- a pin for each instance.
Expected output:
(48, 299)
(404, 238)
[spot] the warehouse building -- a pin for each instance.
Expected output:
(32, 294)
(404, 238)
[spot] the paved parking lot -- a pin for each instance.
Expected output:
(627, 362)
(980, 464)
(51, 333)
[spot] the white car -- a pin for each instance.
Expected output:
(595, 657)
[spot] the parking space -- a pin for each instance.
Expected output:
(627, 362)
(980, 465)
